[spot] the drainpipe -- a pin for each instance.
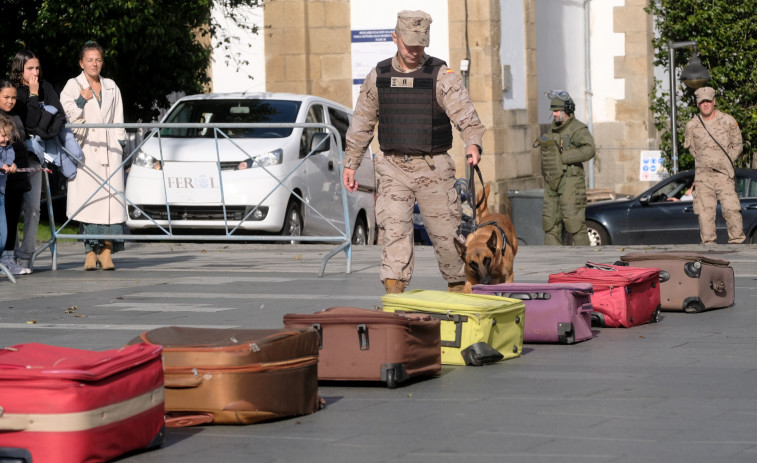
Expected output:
(589, 113)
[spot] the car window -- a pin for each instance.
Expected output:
(746, 187)
(315, 115)
(341, 121)
(672, 191)
(233, 111)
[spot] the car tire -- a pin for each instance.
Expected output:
(360, 233)
(292, 222)
(597, 234)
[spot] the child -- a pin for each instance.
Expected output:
(7, 156)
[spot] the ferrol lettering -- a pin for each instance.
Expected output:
(406, 82)
(190, 183)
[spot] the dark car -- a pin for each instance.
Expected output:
(663, 215)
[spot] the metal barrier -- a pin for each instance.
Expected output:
(342, 237)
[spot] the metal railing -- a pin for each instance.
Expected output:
(343, 237)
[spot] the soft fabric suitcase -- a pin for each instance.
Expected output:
(61, 405)
(693, 282)
(237, 376)
(623, 296)
(475, 329)
(371, 345)
(555, 312)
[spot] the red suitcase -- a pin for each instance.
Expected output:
(559, 313)
(623, 296)
(371, 345)
(61, 405)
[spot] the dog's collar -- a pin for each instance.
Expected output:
(501, 232)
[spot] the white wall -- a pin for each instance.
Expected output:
(605, 45)
(226, 77)
(512, 53)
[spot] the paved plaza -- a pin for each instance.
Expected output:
(681, 390)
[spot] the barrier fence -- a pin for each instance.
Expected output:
(231, 230)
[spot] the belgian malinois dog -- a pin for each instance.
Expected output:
(489, 251)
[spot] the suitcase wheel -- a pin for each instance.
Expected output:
(393, 374)
(655, 315)
(598, 319)
(693, 305)
(15, 455)
(481, 353)
(565, 333)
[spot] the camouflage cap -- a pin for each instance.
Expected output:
(705, 94)
(413, 27)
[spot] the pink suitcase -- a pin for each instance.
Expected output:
(60, 405)
(555, 312)
(623, 296)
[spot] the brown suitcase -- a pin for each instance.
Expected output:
(237, 376)
(689, 282)
(371, 345)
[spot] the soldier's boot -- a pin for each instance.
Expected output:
(106, 262)
(458, 287)
(90, 263)
(393, 286)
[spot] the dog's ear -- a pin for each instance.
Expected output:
(492, 242)
(461, 248)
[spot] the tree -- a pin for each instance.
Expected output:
(152, 47)
(726, 36)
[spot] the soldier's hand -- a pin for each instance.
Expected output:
(472, 156)
(348, 177)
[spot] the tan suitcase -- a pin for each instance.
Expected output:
(237, 376)
(370, 345)
(689, 282)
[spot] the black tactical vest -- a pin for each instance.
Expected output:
(410, 119)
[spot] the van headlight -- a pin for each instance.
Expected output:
(269, 159)
(143, 159)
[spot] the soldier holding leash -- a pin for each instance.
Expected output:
(415, 97)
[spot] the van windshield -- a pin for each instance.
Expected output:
(232, 111)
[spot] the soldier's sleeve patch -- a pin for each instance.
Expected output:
(448, 71)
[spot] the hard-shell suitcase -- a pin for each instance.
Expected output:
(623, 296)
(693, 282)
(555, 312)
(237, 376)
(61, 405)
(370, 345)
(475, 328)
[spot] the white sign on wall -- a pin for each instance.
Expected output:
(652, 168)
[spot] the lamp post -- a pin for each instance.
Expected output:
(694, 75)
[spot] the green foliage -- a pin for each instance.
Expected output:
(726, 35)
(152, 47)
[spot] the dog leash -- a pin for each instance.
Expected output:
(472, 191)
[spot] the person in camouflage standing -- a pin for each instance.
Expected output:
(714, 140)
(414, 97)
(564, 149)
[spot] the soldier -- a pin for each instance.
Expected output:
(564, 149)
(714, 140)
(415, 96)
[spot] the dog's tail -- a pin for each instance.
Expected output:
(482, 197)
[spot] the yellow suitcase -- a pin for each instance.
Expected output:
(475, 328)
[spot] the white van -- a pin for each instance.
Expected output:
(191, 173)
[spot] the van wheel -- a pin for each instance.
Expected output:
(360, 233)
(292, 222)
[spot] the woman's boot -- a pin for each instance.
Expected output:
(91, 262)
(106, 263)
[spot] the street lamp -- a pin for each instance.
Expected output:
(694, 75)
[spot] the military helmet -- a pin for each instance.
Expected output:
(561, 101)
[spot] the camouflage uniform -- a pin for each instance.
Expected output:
(565, 196)
(404, 179)
(713, 175)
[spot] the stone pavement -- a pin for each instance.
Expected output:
(681, 390)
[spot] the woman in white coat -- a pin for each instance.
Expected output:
(90, 98)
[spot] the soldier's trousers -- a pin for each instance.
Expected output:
(430, 181)
(709, 188)
(566, 207)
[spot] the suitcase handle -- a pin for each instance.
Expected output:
(182, 380)
(182, 421)
(14, 421)
(587, 307)
(718, 286)
(607, 268)
(525, 296)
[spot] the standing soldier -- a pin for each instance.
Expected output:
(714, 140)
(414, 96)
(564, 149)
